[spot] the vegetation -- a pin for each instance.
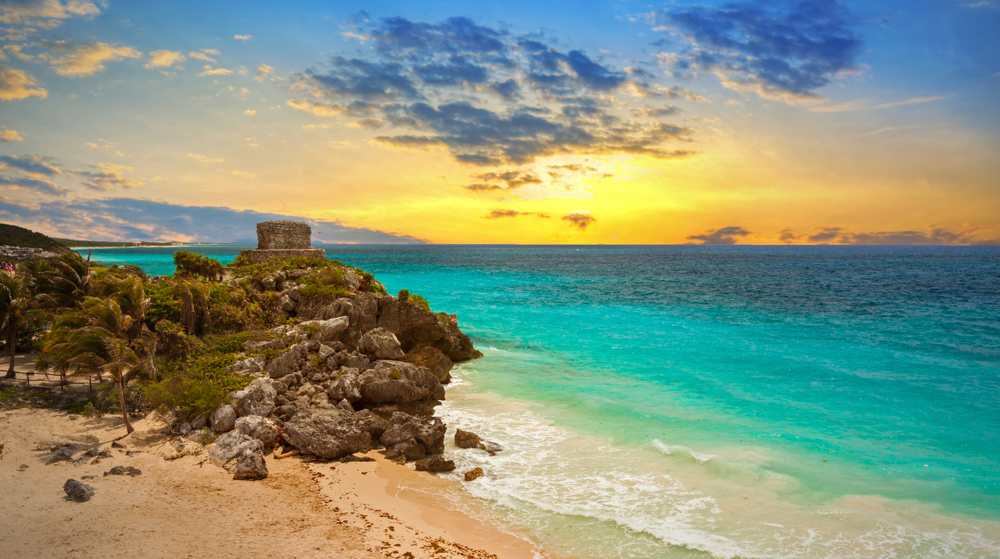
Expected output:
(13, 235)
(190, 264)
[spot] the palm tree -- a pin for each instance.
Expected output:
(105, 335)
(15, 304)
(64, 281)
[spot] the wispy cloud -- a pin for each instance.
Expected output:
(500, 214)
(929, 236)
(17, 84)
(107, 177)
(581, 219)
(264, 72)
(164, 59)
(209, 71)
(33, 12)
(243, 38)
(867, 106)
(723, 236)
(204, 159)
(201, 56)
(10, 136)
(84, 59)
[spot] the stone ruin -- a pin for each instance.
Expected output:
(284, 239)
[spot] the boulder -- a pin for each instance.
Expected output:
(329, 330)
(434, 464)
(257, 427)
(287, 303)
(248, 366)
(78, 491)
(347, 386)
(390, 382)
(465, 439)
(490, 447)
(428, 431)
(420, 407)
(328, 433)
(224, 419)
(474, 474)
(256, 399)
(415, 326)
(232, 445)
(410, 450)
(250, 467)
(380, 344)
(433, 359)
(123, 471)
(351, 360)
(372, 423)
(289, 362)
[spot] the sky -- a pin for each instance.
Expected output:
(545, 122)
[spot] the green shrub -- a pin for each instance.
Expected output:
(310, 329)
(396, 374)
(419, 301)
(187, 394)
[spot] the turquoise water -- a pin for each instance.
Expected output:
(720, 401)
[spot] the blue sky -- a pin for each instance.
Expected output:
(579, 122)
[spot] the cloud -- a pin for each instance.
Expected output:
(209, 71)
(865, 106)
(778, 51)
(243, 38)
(121, 219)
(930, 236)
(202, 55)
(107, 177)
(981, 4)
(723, 236)
(244, 174)
(84, 59)
(39, 185)
(656, 112)
(34, 165)
(16, 51)
(499, 214)
(17, 84)
(264, 72)
(10, 136)
(250, 112)
(581, 219)
(28, 11)
(204, 159)
(437, 85)
(513, 179)
(164, 59)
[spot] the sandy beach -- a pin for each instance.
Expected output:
(183, 506)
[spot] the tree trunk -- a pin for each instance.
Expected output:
(12, 343)
(121, 402)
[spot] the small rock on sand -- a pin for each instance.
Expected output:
(475, 474)
(77, 491)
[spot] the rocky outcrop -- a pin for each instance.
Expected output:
(224, 419)
(391, 382)
(256, 399)
(465, 439)
(228, 448)
(257, 427)
(433, 359)
(380, 343)
(330, 433)
(474, 474)
(434, 464)
(427, 431)
(250, 467)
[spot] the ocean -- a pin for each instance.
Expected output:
(723, 401)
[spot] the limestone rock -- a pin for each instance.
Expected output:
(410, 449)
(474, 474)
(256, 399)
(78, 491)
(233, 445)
(375, 425)
(381, 344)
(224, 419)
(248, 366)
(329, 433)
(428, 431)
(257, 427)
(289, 362)
(433, 359)
(250, 467)
(391, 382)
(346, 387)
(465, 439)
(329, 330)
(434, 464)
(123, 471)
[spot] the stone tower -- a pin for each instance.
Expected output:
(283, 239)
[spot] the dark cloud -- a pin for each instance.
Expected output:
(513, 179)
(37, 165)
(723, 236)
(930, 236)
(785, 51)
(131, 219)
(107, 177)
(579, 219)
(499, 214)
(436, 84)
(657, 112)
(38, 185)
(481, 187)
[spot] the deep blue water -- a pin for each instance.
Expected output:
(850, 392)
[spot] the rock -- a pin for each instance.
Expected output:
(257, 427)
(182, 428)
(289, 362)
(250, 467)
(393, 382)
(329, 330)
(372, 423)
(330, 433)
(420, 407)
(415, 326)
(351, 360)
(429, 431)
(233, 445)
(123, 471)
(325, 352)
(346, 386)
(381, 344)
(199, 422)
(201, 436)
(410, 449)
(474, 474)
(465, 439)
(287, 303)
(116, 444)
(353, 458)
(268, 284)
(224, 419)
(490, 447)
(434, 464)
(433, 359)
(248, 366)
(78, 491)
(256, 399)
(64, 454)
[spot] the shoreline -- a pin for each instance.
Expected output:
(358, 509)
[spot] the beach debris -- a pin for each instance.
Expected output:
(123, 471)
(381, 344)
(78, 491)
(290, 453)
(250, 467)
(435, 463)
(224, 419)
(355, 458)
(474, 474)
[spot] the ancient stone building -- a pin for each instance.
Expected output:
(283, 239)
